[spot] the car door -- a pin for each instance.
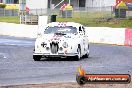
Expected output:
(82, 39)
(85, 40)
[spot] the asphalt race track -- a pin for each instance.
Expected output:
(18, 67)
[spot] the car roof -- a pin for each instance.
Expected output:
(63, 24)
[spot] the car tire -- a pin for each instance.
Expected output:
(37, 57)
(78, 57)
(87, 54)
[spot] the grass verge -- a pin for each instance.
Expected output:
(10, 19)
(100, 22)
(86, 21)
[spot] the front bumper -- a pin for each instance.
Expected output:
(56, 55)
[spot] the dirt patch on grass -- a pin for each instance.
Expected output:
(70, 85)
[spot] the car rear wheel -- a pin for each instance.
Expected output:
(87, 54)
(37, 57)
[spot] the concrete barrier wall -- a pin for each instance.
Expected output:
(107, 35)
(18, 30)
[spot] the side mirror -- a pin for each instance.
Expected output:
(80, 29)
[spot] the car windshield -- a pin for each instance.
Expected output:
(64, 30)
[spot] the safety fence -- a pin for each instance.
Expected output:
(11, 12)
(84, 14)
(78, 14)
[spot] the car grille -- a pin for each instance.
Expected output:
(54, 47)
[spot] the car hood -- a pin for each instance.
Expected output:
(55, 37)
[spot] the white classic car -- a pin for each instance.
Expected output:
(62, 39)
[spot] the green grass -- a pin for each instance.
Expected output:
(85, 19)
(99, 19)
(10, 19)
(126, 23)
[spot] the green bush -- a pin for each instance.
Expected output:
(130, 18)
(2, 5)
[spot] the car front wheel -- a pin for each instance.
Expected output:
(78, 57)
(37, 57)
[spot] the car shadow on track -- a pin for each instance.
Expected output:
(63, 59)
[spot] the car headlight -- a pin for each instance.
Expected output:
(65, 45)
